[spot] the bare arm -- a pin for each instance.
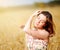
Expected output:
(29, 22)
(31, 32)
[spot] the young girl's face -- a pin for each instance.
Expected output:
(40, 21)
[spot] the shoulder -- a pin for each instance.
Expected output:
(45, 33)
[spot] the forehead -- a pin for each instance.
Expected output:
(42, 17)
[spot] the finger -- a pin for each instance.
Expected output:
(39, 11)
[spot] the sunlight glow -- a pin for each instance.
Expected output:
(6, 3)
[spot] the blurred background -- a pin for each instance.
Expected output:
(14, 13)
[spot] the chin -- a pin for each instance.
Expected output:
(38, 27)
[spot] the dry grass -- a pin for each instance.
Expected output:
(12, 37)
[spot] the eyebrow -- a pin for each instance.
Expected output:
(43, 20)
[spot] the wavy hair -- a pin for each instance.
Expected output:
(49, 26)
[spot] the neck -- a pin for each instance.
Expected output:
(41, 29)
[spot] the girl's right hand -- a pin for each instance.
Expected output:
(36, 13)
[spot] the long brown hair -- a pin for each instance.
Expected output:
(49, 23)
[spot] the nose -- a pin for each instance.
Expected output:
(38, 21)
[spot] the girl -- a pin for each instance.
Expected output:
(38, 37)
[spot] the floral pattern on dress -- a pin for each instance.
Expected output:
(35, 44)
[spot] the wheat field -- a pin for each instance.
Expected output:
(13, 38)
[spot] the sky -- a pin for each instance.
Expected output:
(6, 3)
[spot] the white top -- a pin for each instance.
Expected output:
(35, 43)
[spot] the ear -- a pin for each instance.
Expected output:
(44, 25)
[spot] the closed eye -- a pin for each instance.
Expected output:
(42, 21)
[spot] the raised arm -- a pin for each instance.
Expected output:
(34, 33)
(29, 22)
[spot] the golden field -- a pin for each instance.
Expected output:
(13, 38)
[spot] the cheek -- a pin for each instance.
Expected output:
(42, 24)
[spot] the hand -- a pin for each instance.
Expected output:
(36, 13)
